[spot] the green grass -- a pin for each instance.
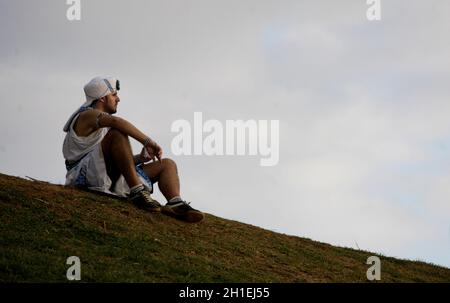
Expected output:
(43, 224)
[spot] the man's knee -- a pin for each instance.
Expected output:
(167, 162)
(116, 134)
(155, 169)
(113, 137)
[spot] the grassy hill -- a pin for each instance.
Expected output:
(43, 224)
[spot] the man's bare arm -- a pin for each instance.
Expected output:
(97, 119)
(105, 120)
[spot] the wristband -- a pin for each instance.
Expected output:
(147, 142)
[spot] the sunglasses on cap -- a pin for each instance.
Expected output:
(109, 85)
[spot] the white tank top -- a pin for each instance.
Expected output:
(75, 147)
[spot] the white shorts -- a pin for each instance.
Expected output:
(91, 173)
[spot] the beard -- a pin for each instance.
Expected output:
(112, 110)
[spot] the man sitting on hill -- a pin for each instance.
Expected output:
(98, 155)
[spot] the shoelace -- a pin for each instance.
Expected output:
(183, 204)
(179, 203)
(147, 197)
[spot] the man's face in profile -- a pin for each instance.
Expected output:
(111, 102)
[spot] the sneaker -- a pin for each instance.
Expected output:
(143, 200)
(182, 211)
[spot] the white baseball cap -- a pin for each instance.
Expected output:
(99, 87)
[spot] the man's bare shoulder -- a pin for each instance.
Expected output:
(90, 116)
(90, 113)
(86, 122)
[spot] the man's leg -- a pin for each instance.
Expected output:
(166, 174)
(119, 157)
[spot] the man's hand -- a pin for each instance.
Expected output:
(143, 156)
(151, 150)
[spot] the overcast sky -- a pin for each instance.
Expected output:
(363, 106)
